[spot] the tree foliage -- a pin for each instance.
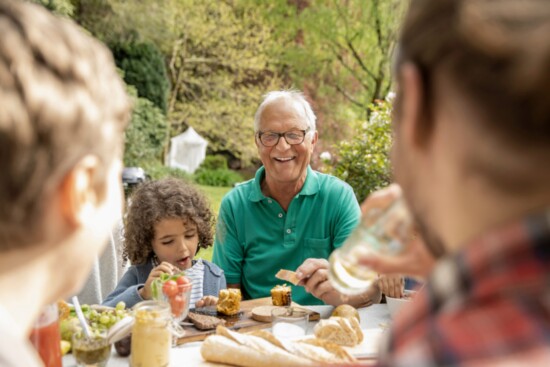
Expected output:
(147, 134)
(59, 7)
(339, 53)
(144, 68)
(222, 56)
(220, 68)
(347, 44)
(364, 160)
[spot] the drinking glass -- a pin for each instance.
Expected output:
(93, 351)
(380, 231)
(289, 322)
(46, 338)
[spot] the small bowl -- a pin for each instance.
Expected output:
(396, 304)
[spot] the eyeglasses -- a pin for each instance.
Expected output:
(293, 137)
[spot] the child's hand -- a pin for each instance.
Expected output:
(206, 301)
(164, 267)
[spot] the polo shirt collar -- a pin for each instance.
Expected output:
(311, 185)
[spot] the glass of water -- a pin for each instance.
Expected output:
(380, 231)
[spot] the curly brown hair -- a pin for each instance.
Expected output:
(157, 200)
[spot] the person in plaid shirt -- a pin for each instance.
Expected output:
(472, 157)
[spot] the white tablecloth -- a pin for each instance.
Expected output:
(374, 318)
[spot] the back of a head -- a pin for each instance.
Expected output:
(60, 100)
(496, 56)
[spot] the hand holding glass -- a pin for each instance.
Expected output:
(380, 231)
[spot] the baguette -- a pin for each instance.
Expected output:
(254, 352)
(261, 348)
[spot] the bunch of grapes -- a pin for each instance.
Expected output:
(103, 320)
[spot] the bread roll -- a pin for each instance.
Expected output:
(339, 330)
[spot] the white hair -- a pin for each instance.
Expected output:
(301, 105)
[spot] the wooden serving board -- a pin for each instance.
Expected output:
(242, 323)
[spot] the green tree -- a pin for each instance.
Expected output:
(146, 135)
(363, 161)
(60, 7)
(346, 44)
(219, 70)
(144, 68)
(218, 63)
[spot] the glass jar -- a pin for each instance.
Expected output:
(151, 335)
(93, 351)
(46, 338)
(379, 232)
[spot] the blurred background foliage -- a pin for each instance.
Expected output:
(207, 64)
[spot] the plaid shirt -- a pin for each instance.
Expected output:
(487, 305)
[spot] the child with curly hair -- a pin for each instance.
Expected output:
(167, 222)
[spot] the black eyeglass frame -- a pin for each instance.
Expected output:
(279, 135)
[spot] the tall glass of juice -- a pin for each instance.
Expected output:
(46, 338)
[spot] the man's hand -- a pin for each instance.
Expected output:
(313, 275)
(163, 267)
(391, 285)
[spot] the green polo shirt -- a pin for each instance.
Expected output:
(255, 237)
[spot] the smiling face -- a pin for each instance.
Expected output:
(176, 241)
(284, 163)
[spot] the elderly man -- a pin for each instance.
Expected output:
(472, 155)
(63, 109)
(288, 213)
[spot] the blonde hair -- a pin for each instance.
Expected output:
(60, 99)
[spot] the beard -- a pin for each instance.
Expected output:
(431, 239)
(403, 175)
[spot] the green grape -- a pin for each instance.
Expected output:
(94, 315)
(120, 306)
(104, 319)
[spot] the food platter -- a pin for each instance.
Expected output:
(243, 321)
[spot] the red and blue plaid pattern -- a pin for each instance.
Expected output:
(487, 305)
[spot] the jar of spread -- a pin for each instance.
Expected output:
(151, 335)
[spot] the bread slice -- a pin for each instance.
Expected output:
(205, 322)
(287, 275)
(340, 331)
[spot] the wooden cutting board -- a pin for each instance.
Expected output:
(242, 323)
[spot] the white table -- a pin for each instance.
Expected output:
(373, 318)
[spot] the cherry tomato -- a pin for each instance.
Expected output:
(170, 288)
(183, 280)
(177, 304)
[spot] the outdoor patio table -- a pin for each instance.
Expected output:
(373, 318)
